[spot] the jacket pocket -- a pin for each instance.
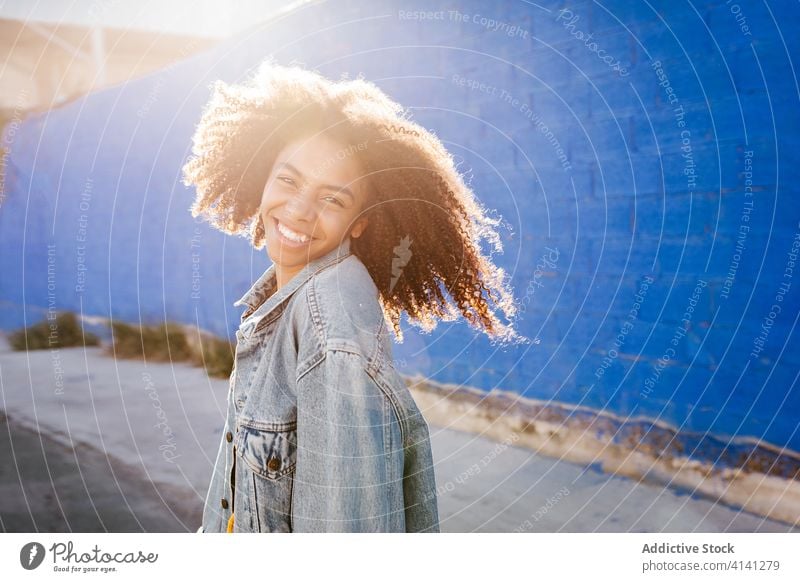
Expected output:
(269, 459)
(269, 453)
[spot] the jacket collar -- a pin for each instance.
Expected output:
(267, 282)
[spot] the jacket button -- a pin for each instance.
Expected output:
(229, 437)
(274, 464)
(224, 503)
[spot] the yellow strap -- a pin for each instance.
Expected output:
(230, 524)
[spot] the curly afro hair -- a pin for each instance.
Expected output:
(421, 213)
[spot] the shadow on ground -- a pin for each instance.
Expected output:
(81, 490)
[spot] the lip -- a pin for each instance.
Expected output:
(288, 242)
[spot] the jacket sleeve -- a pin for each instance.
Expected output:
(349, 455)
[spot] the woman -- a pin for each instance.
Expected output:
(363, 216)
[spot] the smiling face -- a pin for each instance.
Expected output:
(311, 202)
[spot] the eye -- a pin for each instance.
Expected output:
(334, 199)
(286, 180)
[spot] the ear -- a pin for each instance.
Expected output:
(359, 227)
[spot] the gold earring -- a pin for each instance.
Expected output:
(260, 231)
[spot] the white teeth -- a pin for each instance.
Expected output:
(292, 235)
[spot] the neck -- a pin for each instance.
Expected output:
(284, 274)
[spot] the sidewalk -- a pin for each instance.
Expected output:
(129, 447)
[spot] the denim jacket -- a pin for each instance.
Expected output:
(321, 433)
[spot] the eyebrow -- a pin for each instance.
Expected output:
(341, 189)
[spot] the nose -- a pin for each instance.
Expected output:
(300, 208)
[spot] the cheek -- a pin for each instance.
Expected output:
(268, 200)
(341, 222)
(332, 222)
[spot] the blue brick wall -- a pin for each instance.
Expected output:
(617, 206)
